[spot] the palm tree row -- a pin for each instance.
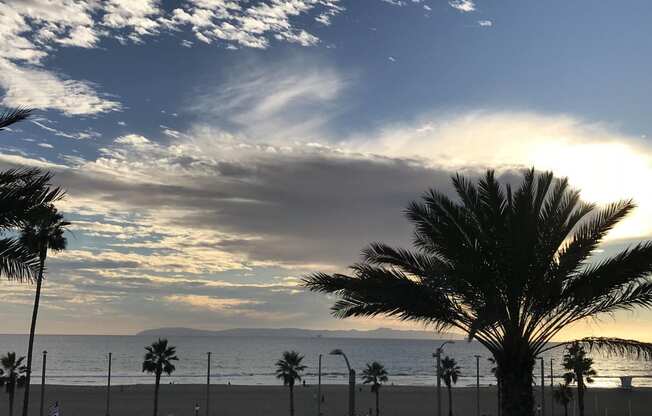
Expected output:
(30, 227)
(509, 266)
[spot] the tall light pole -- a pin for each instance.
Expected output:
(45, 360)
(208, 383)
(319, 388)
(351, 381)
(543, 390)
(477, 385)
(552, 391)
(108, 389)
(437, 355)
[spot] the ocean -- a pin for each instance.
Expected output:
(82, 360)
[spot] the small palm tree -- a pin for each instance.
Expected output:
(450, 372)
(44, 232)
(375, 374)
(158, 360)
(580, 371)
(563, 395)
(12, 376)
(289, 369)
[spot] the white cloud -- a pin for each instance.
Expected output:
(38, 88)
(463, 6)
(32, 29)
(563, 144)
(132, 139)
(485, 23)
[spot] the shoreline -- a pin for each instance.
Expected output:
(239, 400)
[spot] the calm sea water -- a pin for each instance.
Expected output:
(82, 360)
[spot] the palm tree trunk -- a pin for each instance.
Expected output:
(158, 382)
(11, 403)
(377, 401)
(32, 330)
(580, 396)
(516, 366)
(291, 400)
(565, 409)
(450, 401)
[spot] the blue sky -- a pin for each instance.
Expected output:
(215, 151)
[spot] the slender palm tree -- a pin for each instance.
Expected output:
(289, 369)
(450, 372)
(158, 360)
(12, 376)
(563, 395)
(43, 233)
(375, 374)
(580, 371)
(510, 267)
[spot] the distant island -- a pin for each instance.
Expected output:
(379, 333)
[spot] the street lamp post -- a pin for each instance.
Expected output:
(351, 381)
(552, 390)
(208, 383)
(319, 388)
(108, 388)
(543, 390)
(477, 385)
(45, 360)
(437, 355)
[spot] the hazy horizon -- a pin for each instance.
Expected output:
(214, 153)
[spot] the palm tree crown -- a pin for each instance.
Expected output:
(450, 371)
(12, 372)
(509, 267)
(45, 230)
(374, 374)
(289, 368)
(159, 357)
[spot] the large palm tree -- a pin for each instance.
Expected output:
(289, 369)
(450, 372)
(43, 233)
(21, 190)
(12, 376)
(158, 360)
(375, 374)
(510, 267)
(580, 371)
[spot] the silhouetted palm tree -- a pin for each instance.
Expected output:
(510, 267)
(12, 376)
(289, 369)
(563, 395)
(450, 372)
(375, 374)
(21, 190)
(43, 233)
(580, 371)
(158, 360)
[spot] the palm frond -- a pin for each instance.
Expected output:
(11, 116)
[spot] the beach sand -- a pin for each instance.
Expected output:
(179, 400)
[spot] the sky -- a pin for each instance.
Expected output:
(216, 151)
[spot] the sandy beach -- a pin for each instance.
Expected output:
(179, 400)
